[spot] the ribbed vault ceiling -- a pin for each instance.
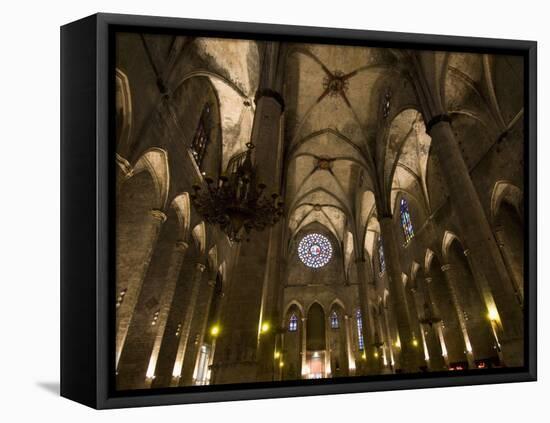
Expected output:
(330, 93)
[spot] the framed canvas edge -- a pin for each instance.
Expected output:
(104, 195)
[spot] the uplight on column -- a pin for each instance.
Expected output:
(265, 327)
(215, 331)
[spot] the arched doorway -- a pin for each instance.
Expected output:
(316, 353)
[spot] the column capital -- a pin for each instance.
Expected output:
(125, 166)
(447, 267)
(266, 92)
(181, 245)
(158, 215)
(428, 280)
(436, 119)
(386, 217)
(200, 267)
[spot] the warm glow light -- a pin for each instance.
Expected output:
(281, 364)
(375, 355)
(265, 327)
(397, 343)
(277, 355)
(415, 342)
(215, 331)
(364, 356)
(493, 315)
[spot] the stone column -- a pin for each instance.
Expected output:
(385, 344)
(410, 357)
(349, 346)
(516, 277)
(267, 127)
(389, 340)
(270, 304)
(328, 367)
(186, 324)
(368, 325)
(251, 298)
(431, 331)
(203, 325)
(304, 371)
(130, 296)
(169, 289)
(477, 236)
(450, 278)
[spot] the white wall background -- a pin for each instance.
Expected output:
(29, 190)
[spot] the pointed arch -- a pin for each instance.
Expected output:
(415, 267)
(337, 302)
(428, 257)
(213, 257)
(199, 235)
(448, 239)
(182, 207)
(339, 201)
(505, 190)
(124, 112)
(155, 161)
(294, 303)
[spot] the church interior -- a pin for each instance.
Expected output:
(289, 211)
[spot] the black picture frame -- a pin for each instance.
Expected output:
(87, 228)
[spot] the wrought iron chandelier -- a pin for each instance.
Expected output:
(237, 202)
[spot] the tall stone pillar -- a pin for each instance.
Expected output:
(304, 370)
(431, 329)
(515, 275)
(270, 305)
(169, 289)
(390, 356)
(267, 127)
(450, 278)
(134, 279)
(368, 323)
(203, 327)
(349, 346)
(247, 354)
(186, 323)
(410, 353)
(241, 318)
(478, 236)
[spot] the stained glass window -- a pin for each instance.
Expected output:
(406, 223)
(334, 323)
(359, 320)
(293, 323)
(381, 258)
(200, 141)
(315, 250)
